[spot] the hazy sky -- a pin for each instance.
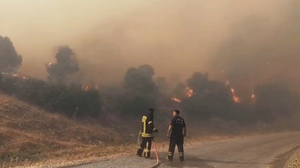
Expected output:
(250, 40)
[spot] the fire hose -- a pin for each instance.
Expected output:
(157, 164)
(156, 154)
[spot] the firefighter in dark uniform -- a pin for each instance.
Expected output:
(176, 133)
(147, 134)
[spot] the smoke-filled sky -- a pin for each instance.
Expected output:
(242, 41)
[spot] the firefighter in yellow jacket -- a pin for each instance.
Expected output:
(147, 134)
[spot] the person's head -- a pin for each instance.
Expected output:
(176, 113)
(151, 111)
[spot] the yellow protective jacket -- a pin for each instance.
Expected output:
(147, 126)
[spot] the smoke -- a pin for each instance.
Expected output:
(262, 50)
(66, 65)
(251, 41)
(9, 58)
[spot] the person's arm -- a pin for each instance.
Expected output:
(155, 129)
(184, 129)
(173, 122)
(169, 131)
(151, 124)
(141, 130)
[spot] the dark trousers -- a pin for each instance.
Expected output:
(179, 141)
(145, 147)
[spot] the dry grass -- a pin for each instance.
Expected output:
(29, 135)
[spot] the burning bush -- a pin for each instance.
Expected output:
(69, 100)
(206, 99)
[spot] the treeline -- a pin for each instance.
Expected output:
(200, 98)
(53, 95)
(71, 100)
(213, 99)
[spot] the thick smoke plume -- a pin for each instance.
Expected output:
(262, 50)
(244, 42)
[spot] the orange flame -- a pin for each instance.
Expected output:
(90, 86)
(86, 87)
(253, 98)
(189, 92)
(236, 99)
(18, 76)
(232, 91)
(176, 100)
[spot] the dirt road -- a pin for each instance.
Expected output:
(250, 152)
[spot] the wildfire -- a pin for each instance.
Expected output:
(18, 76)
(189, 92)
(236, 99)
(90, 86)
(253, 97)
(176, 100)
(232, 91)
(86, 87)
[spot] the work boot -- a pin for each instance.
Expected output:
(170, 156)
(181, 157)
(147, 155)
(139, 152)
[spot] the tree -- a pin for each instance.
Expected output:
(140, 81)
(10, 60)
(211, 99)
(179, 90)
(66, 64)
(141, 91)
(198, 82)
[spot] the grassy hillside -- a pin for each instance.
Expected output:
(29, 135)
